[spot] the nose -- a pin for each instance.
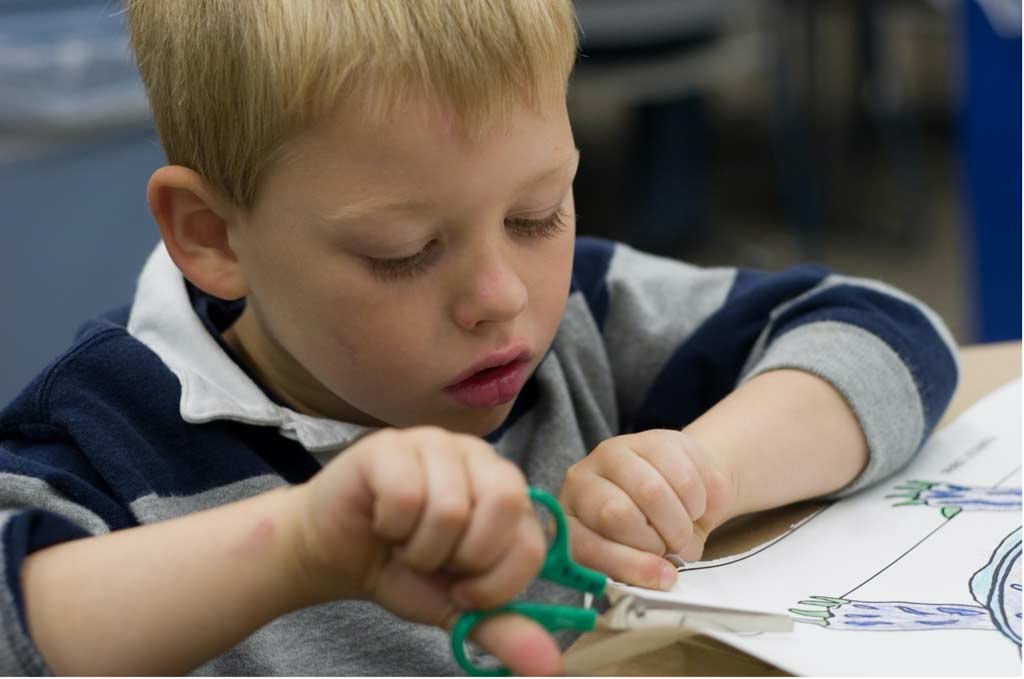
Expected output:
(490, 288)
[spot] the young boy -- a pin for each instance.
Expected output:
(272, 462)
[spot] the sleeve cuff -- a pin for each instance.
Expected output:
(23, 533)
(877, 385)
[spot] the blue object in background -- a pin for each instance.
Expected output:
(991, 147)
(75, 233)
(76, 151)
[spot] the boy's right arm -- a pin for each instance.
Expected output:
(424, 522)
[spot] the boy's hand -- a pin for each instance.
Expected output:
(639, 497)
(428, 523)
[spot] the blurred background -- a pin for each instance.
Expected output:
(879, 137)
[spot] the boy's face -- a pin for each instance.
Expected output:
(388, 265)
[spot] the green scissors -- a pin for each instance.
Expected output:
(558, 568)
(631, 608)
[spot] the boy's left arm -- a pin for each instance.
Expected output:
(837, 383)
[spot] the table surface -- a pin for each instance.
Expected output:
(983, 368)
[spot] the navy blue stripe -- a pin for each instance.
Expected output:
(591, 260)
(703, 370)
(899, 324)
(28, 532)
(101, 406)
(66, 470)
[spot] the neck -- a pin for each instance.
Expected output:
(274, 367)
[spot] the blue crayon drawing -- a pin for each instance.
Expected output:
(995, 587)
(951, 499)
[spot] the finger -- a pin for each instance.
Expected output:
(414, 595)
(609, 511)
(694, 549)
(447, 509)
(679, 458)
(651, 492)
(398, 498)
(521, 644)
(620, 562)
(511, 574)
(501, 503)
(669, 454)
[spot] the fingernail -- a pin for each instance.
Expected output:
(668, 576)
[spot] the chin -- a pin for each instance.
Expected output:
(482, 423)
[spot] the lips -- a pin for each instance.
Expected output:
(494, 380)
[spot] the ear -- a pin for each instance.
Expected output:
(194, 221)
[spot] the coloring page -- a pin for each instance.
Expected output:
(918, 575)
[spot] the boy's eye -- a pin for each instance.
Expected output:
(547, 227)
(407, 267)
(403, 267)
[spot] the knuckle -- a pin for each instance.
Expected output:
(451, 514)
(686, 481)
(514, 472)
(700, 506)
(651, 491)
(674, 436)
(573, 474)
(534, 550)
(427, 432)
(612, 516)
(510, 475)
(510, 501)
(408, 499)
(689, 443)
(483, 597)
(605, 449)
(382, 437)
(469, 443)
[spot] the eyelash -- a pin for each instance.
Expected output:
(409, 267)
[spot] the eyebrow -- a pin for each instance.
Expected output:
(371, 205)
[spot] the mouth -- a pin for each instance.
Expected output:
(495, 380)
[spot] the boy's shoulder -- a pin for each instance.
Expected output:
(592, 258)
(105, 370)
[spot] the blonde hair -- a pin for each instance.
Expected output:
(229, 81)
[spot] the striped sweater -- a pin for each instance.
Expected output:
(149, 416)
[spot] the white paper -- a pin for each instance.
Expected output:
(899, 589)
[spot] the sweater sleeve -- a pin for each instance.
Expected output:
(679, 338)
(47, 496)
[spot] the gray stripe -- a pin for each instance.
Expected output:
(665, 299)
(873, 380)
(832, 281)
(150, 508)
(583, 358)
(575, 407)
(18, 655)
(26, 492)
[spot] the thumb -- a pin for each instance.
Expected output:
(521, 644)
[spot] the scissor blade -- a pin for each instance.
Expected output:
(629, 613)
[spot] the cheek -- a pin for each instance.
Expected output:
(366, 333)
(551, 279)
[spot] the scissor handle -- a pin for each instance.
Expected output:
(558, 567)
(558, 564)
(551, 616)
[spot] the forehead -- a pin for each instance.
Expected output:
(421, 152)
